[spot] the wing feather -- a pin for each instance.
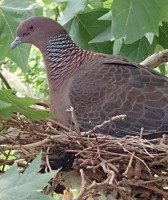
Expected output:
(101, 91)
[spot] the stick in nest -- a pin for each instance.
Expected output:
(74, 120)
(107, 121)
(89, 190)
(126, 150)
(94, 188)
(129, 166)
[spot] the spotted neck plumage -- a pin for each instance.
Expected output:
(63, 57)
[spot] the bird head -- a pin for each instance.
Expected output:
(36, 31)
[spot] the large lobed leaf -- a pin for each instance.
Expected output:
(72, 9)
(132, 19)
(138, 50)
(26, 186)
(10, 103)
(11, 14)
(86, 26)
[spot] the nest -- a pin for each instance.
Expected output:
(126, 168)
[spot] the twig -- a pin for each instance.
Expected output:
(74, 120)
(55, 181)
(47, 160)
(157, 190)
(33, 145)
(141, 132)
(83, 186)
(5, 81)
(110, 173)
(118, 117)
(3, 63)
(110, 165)
(86, 190)
(129, 164)
(60, 124)
(126, 150)
(42, 104)
(105, 162)
(156, 59)
(138, 170)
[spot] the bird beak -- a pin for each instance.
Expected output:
(16, 42)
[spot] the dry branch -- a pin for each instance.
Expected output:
(156, 59)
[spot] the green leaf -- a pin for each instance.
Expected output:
(95, 4)
(107, 16)
(84, 27)
(117, 47)
(11, 14)
(163, 35)
(107, 3)
(163, 7)
(73, 9)
(162, 69)
(26, 186)
(21, 105)
(4, 104)
(132, 19)
(47, 1)
(139, 50)
(104, 36)
(150, 37)
(34, 166)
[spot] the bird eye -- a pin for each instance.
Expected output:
(30, 28)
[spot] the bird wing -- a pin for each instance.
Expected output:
(105, 88)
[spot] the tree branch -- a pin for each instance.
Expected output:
(5, 81)
(156, 59)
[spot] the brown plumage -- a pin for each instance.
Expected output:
(98, 86)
